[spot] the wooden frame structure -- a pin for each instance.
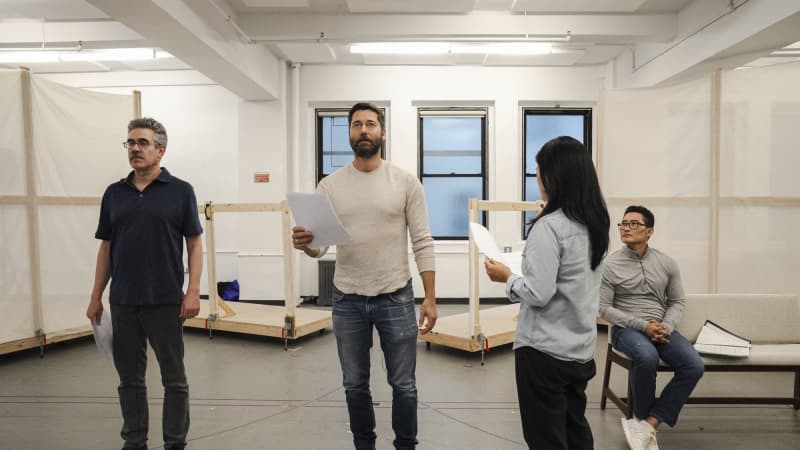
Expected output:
(466, 331)
(264, 320)
(32, 200)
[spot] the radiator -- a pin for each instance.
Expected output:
(326, 269)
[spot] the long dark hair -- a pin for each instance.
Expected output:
(570, 181)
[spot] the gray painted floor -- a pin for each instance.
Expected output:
(248, 393)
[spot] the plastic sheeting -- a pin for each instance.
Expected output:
(759, 159)
(12, 147)
(656, 151)
(77, 136)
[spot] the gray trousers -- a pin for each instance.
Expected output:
(133, 327)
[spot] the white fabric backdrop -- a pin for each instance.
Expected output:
(77, 136)
(759, 159)
(655, 151)
(12, 148)
(16, 304)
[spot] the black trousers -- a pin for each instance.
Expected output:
(133, 327)
(552, 400)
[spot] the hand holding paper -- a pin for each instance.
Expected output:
(487, 245)
(315, 213)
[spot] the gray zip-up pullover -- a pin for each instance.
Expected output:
(636, 290)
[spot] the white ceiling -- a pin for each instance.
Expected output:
(249, 36)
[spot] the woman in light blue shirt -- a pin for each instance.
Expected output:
(559, 298)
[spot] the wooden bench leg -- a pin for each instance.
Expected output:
(629, 401)
(606, 378)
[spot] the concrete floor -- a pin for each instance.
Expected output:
(248, 393)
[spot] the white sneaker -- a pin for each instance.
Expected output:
(639, 434)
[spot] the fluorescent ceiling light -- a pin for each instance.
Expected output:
(28, 57)
(400, 48)
(504, 48)
(444, 48)
(111, 54)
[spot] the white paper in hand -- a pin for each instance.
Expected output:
(315, 213)
(103, 336)
(487, 245)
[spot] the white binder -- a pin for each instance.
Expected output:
(717, 341)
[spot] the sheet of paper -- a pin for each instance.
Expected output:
(104, 335)
(315, 213)
(513, 260)
(487, 245)
(484, 240)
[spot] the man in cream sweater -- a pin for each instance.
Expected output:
(380, 205)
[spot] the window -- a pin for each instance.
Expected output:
(452, 167)
(541, 125)
(333, 141)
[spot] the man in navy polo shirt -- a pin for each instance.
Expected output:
(143, 221)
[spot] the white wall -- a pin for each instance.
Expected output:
(402, 89)
(218, 141)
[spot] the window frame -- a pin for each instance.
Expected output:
(586, 112)
(320, 114)
(478, 112)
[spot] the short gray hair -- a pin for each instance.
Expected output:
(150, 124)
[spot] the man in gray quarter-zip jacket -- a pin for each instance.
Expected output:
(642, 297)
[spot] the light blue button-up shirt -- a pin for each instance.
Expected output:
(558, 292)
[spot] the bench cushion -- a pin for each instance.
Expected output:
(761, 355)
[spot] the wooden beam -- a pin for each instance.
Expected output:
(137, 104)
(32, 203)
(713, 244)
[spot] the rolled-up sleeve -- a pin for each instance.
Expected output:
(541, 260)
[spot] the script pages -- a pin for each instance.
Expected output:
(717, 341)
(487, 245)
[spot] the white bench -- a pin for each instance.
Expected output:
(771, 322)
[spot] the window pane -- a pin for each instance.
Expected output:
(540, 128)
(336, 150)
(452, 145)
(447, 199)
(531, 194)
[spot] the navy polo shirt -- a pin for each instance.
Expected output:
(146, 231)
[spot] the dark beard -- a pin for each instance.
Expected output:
(365, 152)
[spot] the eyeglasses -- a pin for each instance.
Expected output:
(630, 225)
(141, 143)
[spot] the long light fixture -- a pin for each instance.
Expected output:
(45, 55)
(504, 48)
(400, 48)
(443, 48)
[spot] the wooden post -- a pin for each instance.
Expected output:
(288, 270)
(474, 283)
(598, 145)
(211, 262)
(713, 244)
(32, 204)
(137, 104)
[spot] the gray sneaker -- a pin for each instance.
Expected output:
(639, 434)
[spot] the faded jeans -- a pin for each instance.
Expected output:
(394, 317)
(678, 353)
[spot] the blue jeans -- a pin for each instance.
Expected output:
(394, 317)
(678, 354)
